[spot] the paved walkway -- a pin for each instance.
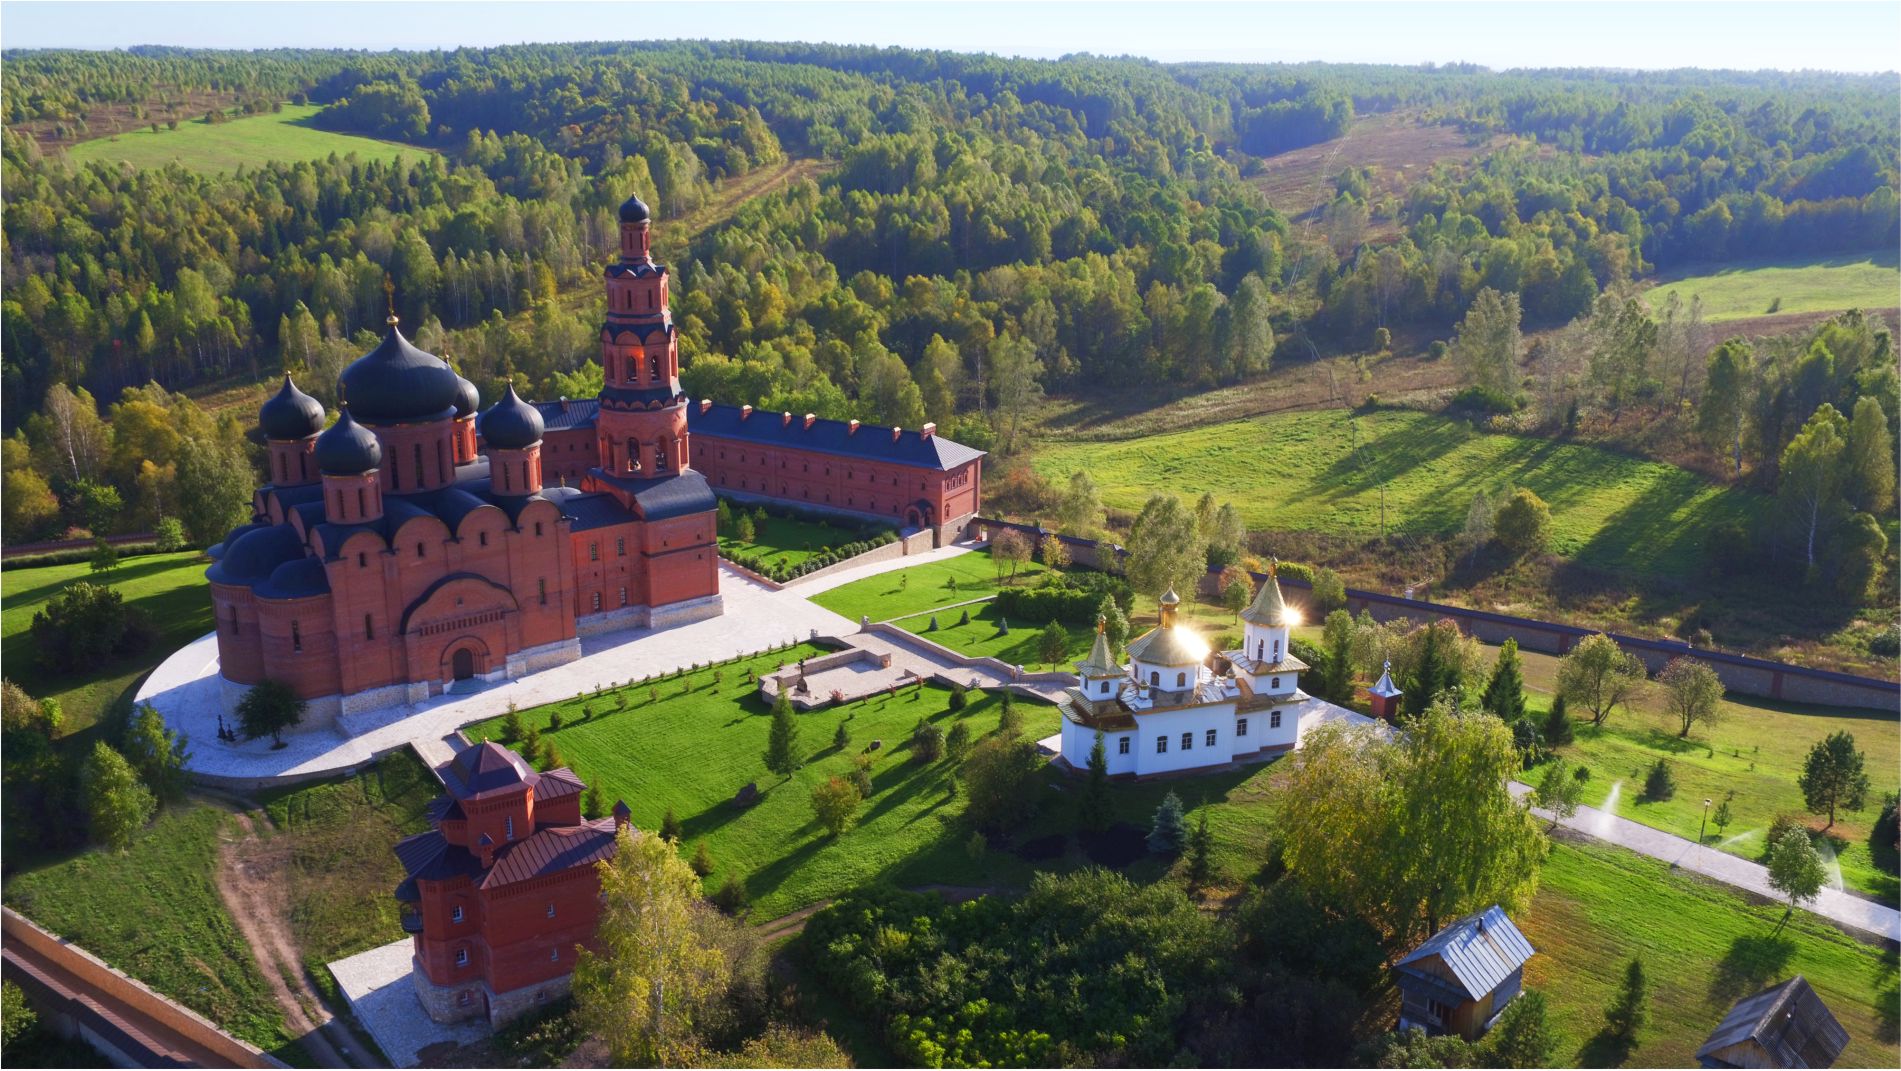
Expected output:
(378, 986)
(186, 688)
(1834, 904)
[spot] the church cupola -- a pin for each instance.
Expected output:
(1168, 657)
(349, 455)
(512, 431)
(1267, 620)
(1097, 675)
(290, 422)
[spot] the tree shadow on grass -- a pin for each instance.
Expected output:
(1606, 1049)
(1752, 964)
(1887, 998)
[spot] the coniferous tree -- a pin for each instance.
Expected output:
(1557, 728)
(670, 826)
(1505, 691)
(1094, 802)
(1169, 832)
(782, 744)
(1200, 854)
(1833, 777)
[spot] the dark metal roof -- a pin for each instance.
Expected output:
(511, 424)
(1481, 950)
(871, 442)
(396, 382)
(1789, 1023)
(568, 413)
(290, 414)
(468, 400)
(483, 768)
(685, 492)
(559, 783)
(295, 580)
(634, 210)
(550, 851)
(348, 448)
(431, 857)
(255, 554)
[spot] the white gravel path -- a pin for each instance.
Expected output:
(379, 989)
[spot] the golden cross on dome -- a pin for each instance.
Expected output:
(389, 295)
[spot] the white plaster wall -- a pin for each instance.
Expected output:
(1196, 720)
(1079, 740)
(1261, 732)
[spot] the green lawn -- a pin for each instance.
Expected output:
(1738, 290)
(1704, 946)
(249, 141)
(154, 912)
(1295, 471)
(1019, 646)
(171, 590)
(693, 751)
(904, 592)
(788, 541)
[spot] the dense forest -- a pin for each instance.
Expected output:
(981, 230)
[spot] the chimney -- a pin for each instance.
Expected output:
(928, 430)
(622, 814)
(745, 411)
(705, 404)
(810, 419)
(852, 429)
(896, 433)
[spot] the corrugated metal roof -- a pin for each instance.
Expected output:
(568, 413)
(870, 442)
(1481, 950)
(1788, 1021)
(550, 851)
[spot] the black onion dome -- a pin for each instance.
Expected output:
(348, 448)
(396, 382)
(467, 398)
(634, 210)
(290, 414)
(512, 424)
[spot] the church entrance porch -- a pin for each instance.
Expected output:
(462, 666)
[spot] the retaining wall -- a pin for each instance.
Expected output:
(1741, 674)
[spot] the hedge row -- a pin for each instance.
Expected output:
(779, 572)
(1073, 600)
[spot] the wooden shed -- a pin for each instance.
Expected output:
(1785, 1025)
(1462, 977)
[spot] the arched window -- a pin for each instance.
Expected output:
(1181, 679)
(361, 509)
(369, 627)
(660, 456)
(633, 455)
(283, 470)
(653, 367)
(1154, 677)
(296, 637)
(415, 453)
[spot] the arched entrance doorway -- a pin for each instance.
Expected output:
(463, 664)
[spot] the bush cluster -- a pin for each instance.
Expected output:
(779, 572)
(1072, 599)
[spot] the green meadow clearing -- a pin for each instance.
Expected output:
(1744, 289)
(249, 141)
(169, 588)
(904, 592)
(981, 636)
(1298, 471)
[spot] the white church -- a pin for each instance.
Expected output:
(1173, 708)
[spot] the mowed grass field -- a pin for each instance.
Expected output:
(1299, 471)
(169, 588)
(692, 751)
(1704, 946)
(249, 141)
(787, 540)
(154, 912)
(1747, 289)
(905, 592)
(981, 637)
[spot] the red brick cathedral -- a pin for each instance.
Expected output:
(415, 542)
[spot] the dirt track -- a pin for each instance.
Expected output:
(251, 875)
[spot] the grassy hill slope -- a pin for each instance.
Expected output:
(250, 141)
(1746, 289)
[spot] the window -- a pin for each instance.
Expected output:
(593, 552)
(415, 453)
(362, 561)
(1122, 745)
(360, 507)
(1241, 727)
(1260, 650)
(505, 483)
(369, 627)
(597, 600)
(1154, 677)
(461, 957)
(620, 546)
(541, 588)
(296, 637)
(537, 529)
(1277, 650)
(1274, 720)
(482, 538)
(1188, 741)
(419, 552)
(508, 827)
(283, 470)
(1181, 679)
(1275, 684)
(1210, 742)
(653, 365)
(455, 913)
(623, 595)
(1161, 745)
(339, 503)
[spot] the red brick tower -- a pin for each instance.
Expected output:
(641, 430)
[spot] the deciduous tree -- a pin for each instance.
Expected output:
(835, 803)
(1599, 676)
(1165, 549)
(1485, 344)
(1693, 692)
(117, 805)
(1795, 867)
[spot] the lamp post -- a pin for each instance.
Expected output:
(1706, 822)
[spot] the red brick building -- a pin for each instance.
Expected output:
(387, 560)
(503, 891)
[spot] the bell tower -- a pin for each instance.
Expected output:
(641, 428)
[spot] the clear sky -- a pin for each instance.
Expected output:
(1846, 36)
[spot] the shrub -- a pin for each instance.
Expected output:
(170, 535)
(1003, 782)
(835, 803)
(702, 862)
(1659, 784)
(269, 707)
(116, 803)
(1485, 400)
(958, 698)
(927, 742)
(731, 897)
(85, 625)
(670, 826)
(1169, 832)
(1435, 351)
(1523, 525)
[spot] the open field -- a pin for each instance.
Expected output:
(1297, 470)
(1704, 946)
(905, 592)
(980, 637)
(1746, 289)
(1398, 144)
(169, 588)
(787, 540)
(154, 912)
(692, 751)
(249, 141)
